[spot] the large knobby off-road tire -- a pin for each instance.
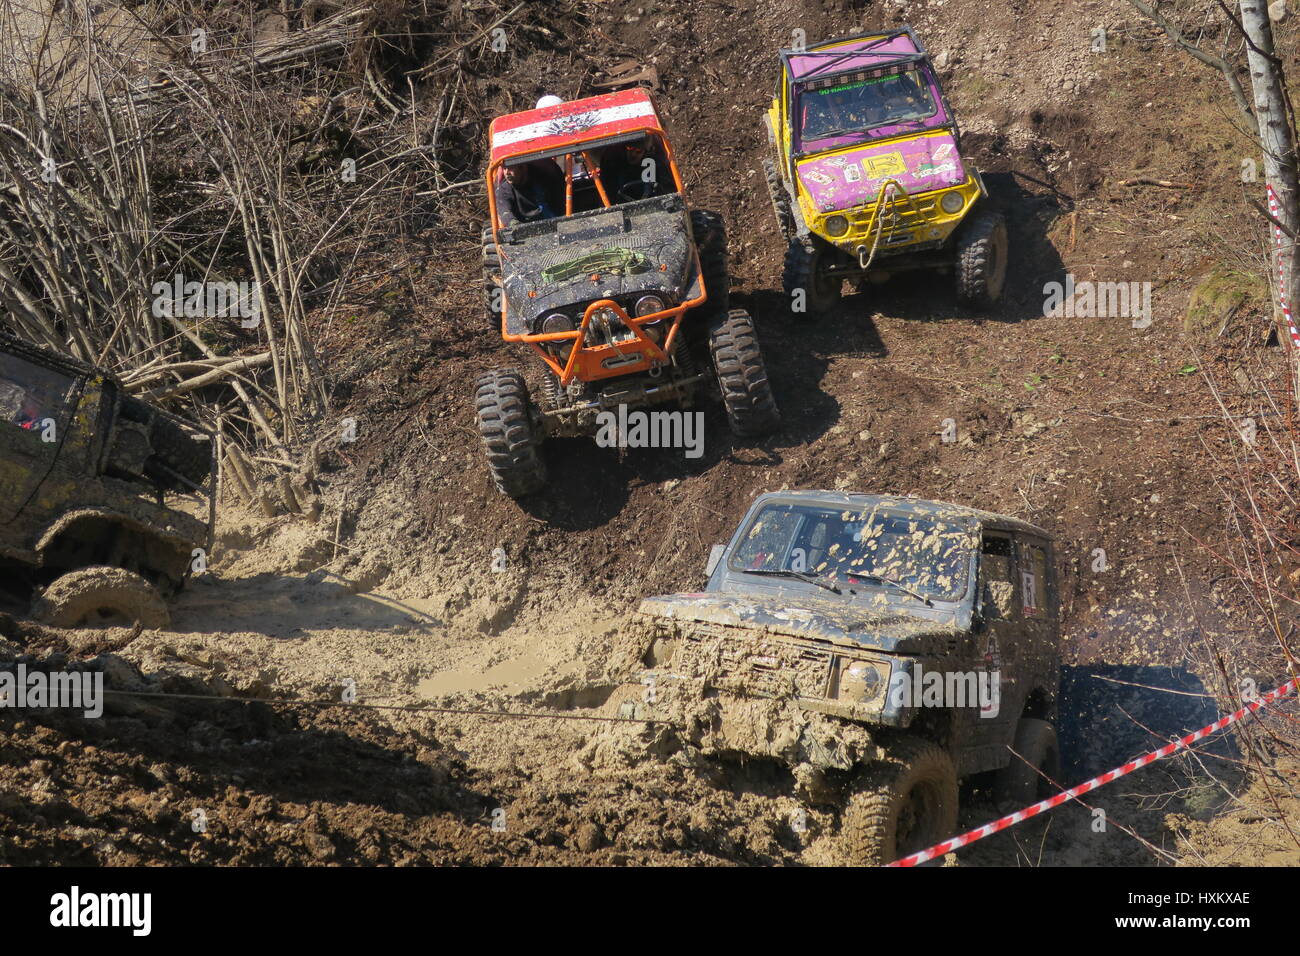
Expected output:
(805, 265)
(901, 805)
(171, 445)
(510, 438)
(711, 240)
(101, 597)
(1020, 784)
(492, 291)
(780, 199)
(982, 248)
(742, 376)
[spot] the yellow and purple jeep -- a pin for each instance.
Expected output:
(868, 177)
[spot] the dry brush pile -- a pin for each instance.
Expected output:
(1258, 472)
(188, 191)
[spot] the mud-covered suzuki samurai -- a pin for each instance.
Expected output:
(920, 637)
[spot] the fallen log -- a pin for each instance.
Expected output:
(1146, 181)
(208, 378)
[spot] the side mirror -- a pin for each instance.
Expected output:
(715, 555)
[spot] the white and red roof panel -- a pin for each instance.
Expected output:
(572, 123)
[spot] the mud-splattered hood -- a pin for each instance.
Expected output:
(852, 176)
(631, 250)
(884, 630)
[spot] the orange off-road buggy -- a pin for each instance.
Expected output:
(616, 285)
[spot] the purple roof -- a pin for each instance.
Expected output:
(862, 53)
(875, 53)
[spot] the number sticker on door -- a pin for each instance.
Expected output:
(1029, 592)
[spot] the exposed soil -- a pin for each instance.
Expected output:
(1104, 434)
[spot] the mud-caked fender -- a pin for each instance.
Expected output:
(176, 532)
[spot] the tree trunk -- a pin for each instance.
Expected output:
(1277, 140)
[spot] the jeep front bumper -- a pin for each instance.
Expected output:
(905, 223)
(843, 682)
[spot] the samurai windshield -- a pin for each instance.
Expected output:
(922, 552)
(860, 105)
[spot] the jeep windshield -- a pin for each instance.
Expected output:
(884, 549)
(858, 106)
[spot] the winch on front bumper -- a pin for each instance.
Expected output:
(570, 417)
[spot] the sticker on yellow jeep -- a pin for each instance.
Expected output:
(885, 164)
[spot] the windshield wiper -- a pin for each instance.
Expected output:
(801, 575)
(894, 584)
(860, 131)
(866, 130)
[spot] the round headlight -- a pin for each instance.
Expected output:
(648, 305)
(557, 322)
(837, 225)
(952, 203)
(860, 682)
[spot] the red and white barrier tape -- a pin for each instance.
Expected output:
(1283, 296)
(947, 846)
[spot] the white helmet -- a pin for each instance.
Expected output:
(550, 99)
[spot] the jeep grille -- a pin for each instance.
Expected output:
(762, 666)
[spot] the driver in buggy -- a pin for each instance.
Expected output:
(529, 192)
(635, 170)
